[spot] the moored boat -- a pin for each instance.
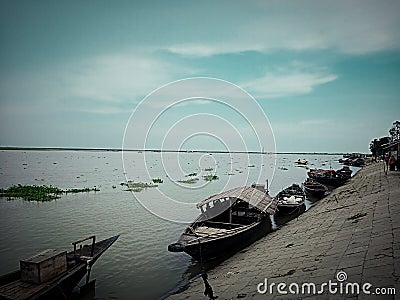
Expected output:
(290, 199)
(53, 274)
(345, 172)
(228, 221)
(314, 188)
(328, 177)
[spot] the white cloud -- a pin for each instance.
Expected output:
(119, 77)
(353, 27)
(102, 84)
(281, 84)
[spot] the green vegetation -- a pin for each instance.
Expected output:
(39, 192)
(191, 174)
(208, 169)
(210, 177)
(157, 180)
(137, 186)
(189, 181)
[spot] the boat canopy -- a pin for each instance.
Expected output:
(259, 199)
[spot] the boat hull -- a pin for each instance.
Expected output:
(11, 286)
(227, 245)
(288, 210)
(315, 189)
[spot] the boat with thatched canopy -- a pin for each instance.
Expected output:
(228, 221)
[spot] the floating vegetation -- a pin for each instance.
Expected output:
(84, 190)
(210, 177)
(208, 169)
(157, 180)
(39, 192)
(191, 174)
(137, 186)
(189, 181)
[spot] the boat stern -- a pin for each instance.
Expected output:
(176, 247)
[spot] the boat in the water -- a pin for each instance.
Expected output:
(290, 199)
(345, 172)
(53, 274)
(327, 177)
(301, 161)
(314, 188)
(228, 221)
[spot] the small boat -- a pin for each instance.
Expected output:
(281, 219)
(345, 172)
(290, 199)
(328, 177)
(301, 161)
(228, 221)
(314, 188)
(53, 274)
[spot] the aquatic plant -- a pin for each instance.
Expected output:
(137, 186)
(39, 192)
(210, 177)
(189, 181)
(191, 174)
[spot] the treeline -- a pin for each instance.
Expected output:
(379, 146)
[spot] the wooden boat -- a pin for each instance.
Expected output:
(329, 177)
(301, 161)
(281, 219)
(345, 172)
(314, 188)
(228, 221)
(30, 283)
(290, 199)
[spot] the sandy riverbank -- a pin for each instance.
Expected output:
(356, 230)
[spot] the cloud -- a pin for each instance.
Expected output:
(281, 84)
(351, 27)
(102, 84)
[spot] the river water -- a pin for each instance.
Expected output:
(147, 221)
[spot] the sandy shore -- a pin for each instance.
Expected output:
(356, 230)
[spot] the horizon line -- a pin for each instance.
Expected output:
(8, 148)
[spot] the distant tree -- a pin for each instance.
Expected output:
(395, 131)
(376, 145)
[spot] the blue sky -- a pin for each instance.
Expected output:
(325, 73)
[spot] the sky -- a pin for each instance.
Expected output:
(90, 74)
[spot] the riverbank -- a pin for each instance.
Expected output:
(356, 230)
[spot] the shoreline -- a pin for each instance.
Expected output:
(6, 148)
(355, 229)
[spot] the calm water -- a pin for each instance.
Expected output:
(138, 263)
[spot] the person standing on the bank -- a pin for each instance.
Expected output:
(386, 163)
(392, 163)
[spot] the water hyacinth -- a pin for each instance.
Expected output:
(39, 192)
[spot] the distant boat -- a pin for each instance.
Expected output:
(301, 161)
(290, 199)
(52, 274)
(314, 188)
(228, 221)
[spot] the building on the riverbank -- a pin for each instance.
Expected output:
(392, 148)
